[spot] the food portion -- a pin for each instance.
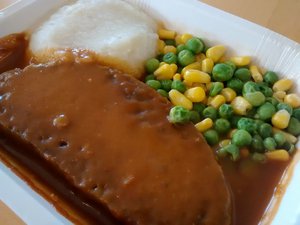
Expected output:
(240, 110)
(140, 152)
(118, 33)
(107, 134)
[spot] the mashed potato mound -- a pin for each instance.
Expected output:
(113, 29)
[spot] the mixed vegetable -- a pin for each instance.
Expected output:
(238, 108)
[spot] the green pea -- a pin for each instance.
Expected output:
(225, 111)
(151, 65)
(247, 124)
(285, 106)
(195, 45)
(267, 91)
(163, 93)
(180, 48)
(249, 87)
(265, 130)
(211, 136)
(270, 78)
(259, 123)
(255, 98)
(186, 57)
(222, 72)
(198, 107)
(258, 157)
(294, 127)
(292, 149)
(179, 114)
(270, 143)
(170, 58)
(234, 120)
(155, 84)
(279, 138)
(222, 126)
(150, 77)
(179, 86)
(289, 147)
(221, 153)
(215, 89)
(272, 100)
(232, 150)
(166, 85)
(235, 84)
(296, 113)
(210, 112)
(243, 74)
(241, 138)
(194, 117)
(170, 42)
(231, 64)
(257, 144)
(266, 111)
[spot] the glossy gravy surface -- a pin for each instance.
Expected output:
(108, 135)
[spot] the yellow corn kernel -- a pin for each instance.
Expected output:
(217, 101)
(283, 85)
(166, 34)
(203, 86)
(179, 99)
(192, 75)
(231, 133)
(200, 57)
(169, 48)
(165, 71)
(207, 65)
(278, 155)
(160, 45)
(178, 39)
(216, 52)
(205, 100)
(195, 66)
(256, 75)
(174, 67)
(289, 137)
(293, 100)
(195, 94)
(177, 76)
(209, 99)
(188, 83)
(240, 105)
(281, 119)
(279, 95)
(229, 94)
(185, 37)
(241, 60)
(224, 143)
(162, 63)
(204, 125)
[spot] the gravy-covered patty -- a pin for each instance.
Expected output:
(108, 135)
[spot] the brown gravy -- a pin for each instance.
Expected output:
(252, 184)
(114, 145)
